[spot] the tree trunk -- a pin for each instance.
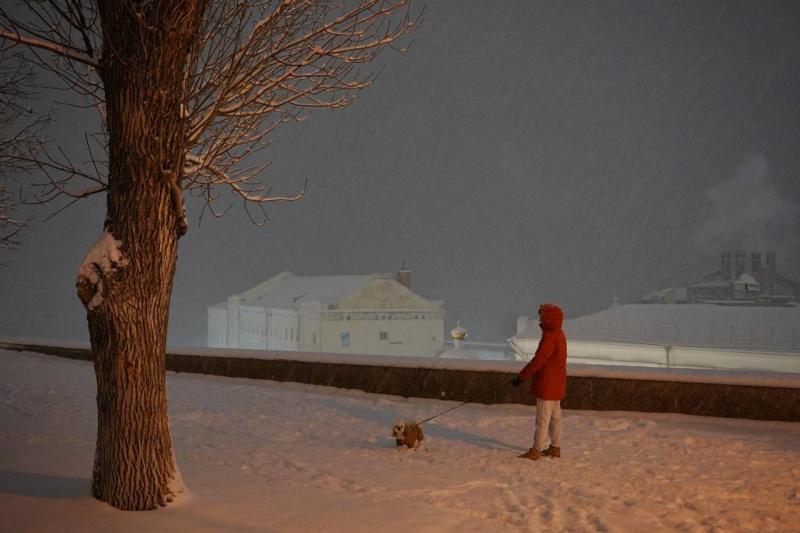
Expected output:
(142, 69)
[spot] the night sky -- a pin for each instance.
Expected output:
(516, 153)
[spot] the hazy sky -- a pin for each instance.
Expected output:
(518, 152)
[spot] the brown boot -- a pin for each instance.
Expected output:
(552, 452)
(531, 454)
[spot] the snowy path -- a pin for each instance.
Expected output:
(266, 456)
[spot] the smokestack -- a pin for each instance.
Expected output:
(770, 272)
(755, 263)
(771, 264)
(739, 262)
(725, 265)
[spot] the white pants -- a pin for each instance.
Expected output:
(548, 417)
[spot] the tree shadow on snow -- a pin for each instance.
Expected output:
(44, 485)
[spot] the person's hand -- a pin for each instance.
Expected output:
(517, 382)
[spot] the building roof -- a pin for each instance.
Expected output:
(287, 291)
(711, 283)
(295, 290)
(676, 295)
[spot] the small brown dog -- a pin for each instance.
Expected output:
(408, 434)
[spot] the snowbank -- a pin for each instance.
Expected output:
(280, 457)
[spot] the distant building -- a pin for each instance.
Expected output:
(743, 303)
(741, 279)
(370, 314)
(774, 327)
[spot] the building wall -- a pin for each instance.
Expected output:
(252, 328)
(217, 327)
(384, 317)
(408, 333)
(284, 329)
(380, 332)
(310, 333)
(700, 293)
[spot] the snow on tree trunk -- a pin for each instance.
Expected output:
(145, 46)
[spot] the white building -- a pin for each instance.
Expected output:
(686, 324)
(367, 314)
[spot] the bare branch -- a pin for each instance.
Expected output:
(260, 65)
(11, 228)
(56, 48)
(255, 66)
(53, 28)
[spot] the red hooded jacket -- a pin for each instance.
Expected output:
(548, 368)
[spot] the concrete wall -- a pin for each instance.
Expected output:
(716, 398)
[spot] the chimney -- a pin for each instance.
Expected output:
(725, 265)
(739, 262)
(404, 276)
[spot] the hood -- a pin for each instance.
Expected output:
(550, 316)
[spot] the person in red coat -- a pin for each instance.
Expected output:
(547, 372)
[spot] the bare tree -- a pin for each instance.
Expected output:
(11, 227)
(187, 89)
(20, 140)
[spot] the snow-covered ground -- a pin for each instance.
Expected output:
(265, 456)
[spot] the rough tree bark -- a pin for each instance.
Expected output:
(142, 72)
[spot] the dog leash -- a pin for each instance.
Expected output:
(471, 400)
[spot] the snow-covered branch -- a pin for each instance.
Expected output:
(255, 66)
(261, 65)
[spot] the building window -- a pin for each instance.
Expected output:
(314, 338)
(345, 338)
(383, 335)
